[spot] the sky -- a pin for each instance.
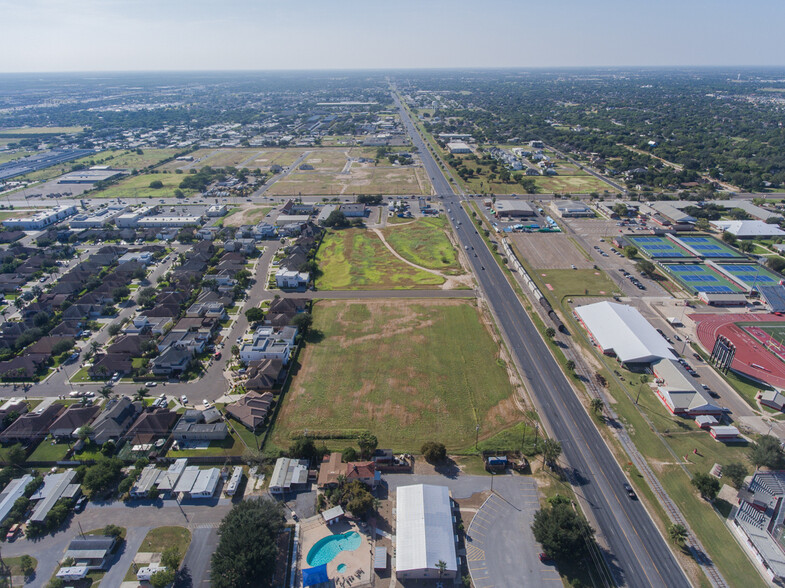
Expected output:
(135, 35)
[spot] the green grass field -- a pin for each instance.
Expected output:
(13, 155)
(356, 259)
(161, 538)
(581, 282)
(245, 216)
(46, 451)
(410, 371)
(425, 243)
(139, 187)
(40, 131)
(129, 159)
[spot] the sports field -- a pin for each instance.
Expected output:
(424, 242)
(751, 274)
(696, 277)
(657, 247)
(356, 259)
(771, 335)
(708, 246)
(410, 372)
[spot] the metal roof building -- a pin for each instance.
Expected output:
(187, 480)
(425, 533)
(168, 480)
(205, 483)
(747, 229)
(146, 481)
(621, 330)
(679, 393)
(288, 473)
(59, 487)
(513, 208)
(14, 490)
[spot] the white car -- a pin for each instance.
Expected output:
(151, 384)
(183, 400)
(206, 404)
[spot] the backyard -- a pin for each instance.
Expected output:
(356, 259)
(411, 371)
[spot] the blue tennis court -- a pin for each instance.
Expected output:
(657, 247)
(709, 247)
(751, 274)
(696, 277)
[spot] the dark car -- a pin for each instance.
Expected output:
(80, 504)
(630, 491)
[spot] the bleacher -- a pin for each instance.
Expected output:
(774, 296)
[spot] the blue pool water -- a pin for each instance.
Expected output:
(327, 548)
(342, 568)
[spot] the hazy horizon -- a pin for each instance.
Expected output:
(49, 36)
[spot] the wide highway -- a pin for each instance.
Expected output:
(638, 554)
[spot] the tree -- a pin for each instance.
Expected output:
(302, 321)
(106, 391)
(678, 534)
(254, 315)
(163, 578)
(746, 246)
(570, 365)
(702, 224)
(644, 266)
(735, 472)
(337, 220)
(112, 531)
(247, 551)
(156, 184)
(729, 238)
(767, 452)
(551, 450)
(433, 451)
(368, 443)
(349, 454)
(15, 454)
(630, 251)
(125, 485)
(621, 209)
(55, 583)
(120, 293)
(141, 393)
(26, 565)
(171, 557)
(707, 485)
(562, 532)
(550, 332)
(99, 478)
(114, 329)
(303, 449)
(597, 405)
(441, 565)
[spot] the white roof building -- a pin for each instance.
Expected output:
(287, 474)
(621, 330)
(679, 393)
(747, 229)
(425, 533)
(205, 483)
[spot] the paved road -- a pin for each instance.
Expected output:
(638, 554)
(196, 564)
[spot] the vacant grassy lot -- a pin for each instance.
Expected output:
(40, 130)
(362, 179)
(130, 159)
(139, 187)
(5, 157)
(356, 259)
(410, 371)
(582, 184)
(249, 215)
(161, 538)
(581, 282)
(425, 243)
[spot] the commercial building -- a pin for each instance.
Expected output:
(131, 218)
(622, 331)
(748, 229)
(217, 210)
(353, 210)
(40, 220)
(288, 474)
(515, 208)
(458, 147)
(758, 519)
(573, 209)
(169, 221)
(424, 533)
(679, 393)
(97, 219)
(90, 176)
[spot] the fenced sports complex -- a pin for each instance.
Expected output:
(696, 277)
(748, 275)
(657, 247)
(707, 247)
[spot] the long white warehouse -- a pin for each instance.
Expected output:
(621, 330)
(425, 533)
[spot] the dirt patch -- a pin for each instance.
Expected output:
(249, 215)
(549, 251)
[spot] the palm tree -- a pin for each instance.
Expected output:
(551, 450)
(597, 405)
(141, 393)
(441, 565)
(678, 534)
(106, 391)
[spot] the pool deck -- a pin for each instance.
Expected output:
(314, 529)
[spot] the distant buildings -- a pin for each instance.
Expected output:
(458, 147)
(40, 220)
(513, 208)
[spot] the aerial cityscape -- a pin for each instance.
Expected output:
(419, 318)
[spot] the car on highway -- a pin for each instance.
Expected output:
(630, 492)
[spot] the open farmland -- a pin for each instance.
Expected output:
(410, 371)
(139, 187)
(362, 178)
(257, 158)
(356, 259)
(424, 242)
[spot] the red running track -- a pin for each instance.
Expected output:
(752, 357)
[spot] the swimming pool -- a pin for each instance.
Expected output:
(328, 547)
(342, 568)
